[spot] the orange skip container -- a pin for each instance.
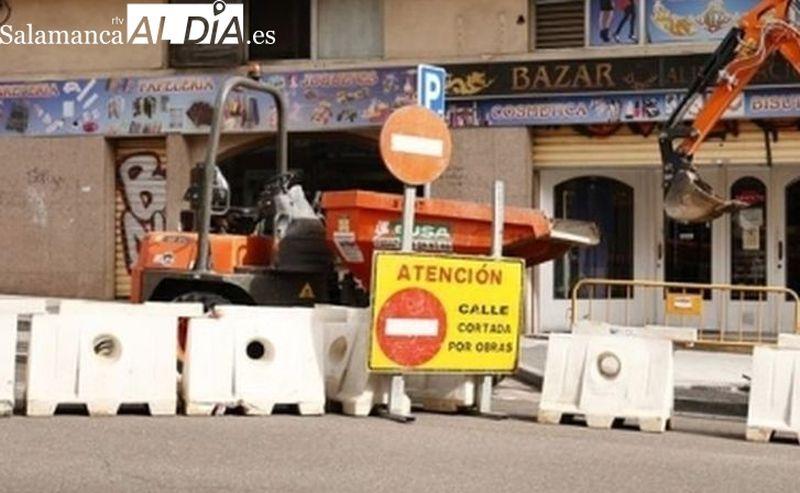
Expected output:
(360, 222)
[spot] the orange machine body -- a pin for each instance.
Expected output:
(765, 30)
(178, 251)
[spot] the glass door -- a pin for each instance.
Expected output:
(748, 252)
(687, 254)
(784, 267)
(621, 205)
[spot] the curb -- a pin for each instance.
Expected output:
(716, 401)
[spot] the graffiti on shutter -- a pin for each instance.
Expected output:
(141, 207)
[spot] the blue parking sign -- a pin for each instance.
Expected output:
(431, 82)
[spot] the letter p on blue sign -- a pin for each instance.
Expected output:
(431, 87)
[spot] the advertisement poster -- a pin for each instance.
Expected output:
(622, 108)
(185, 104)
(344, 99)
(320, 101)
(694, 21)
(613, 22)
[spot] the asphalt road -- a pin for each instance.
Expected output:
(287, 453)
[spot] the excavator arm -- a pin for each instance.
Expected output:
(761, 32)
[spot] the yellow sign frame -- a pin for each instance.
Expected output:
(484, 313)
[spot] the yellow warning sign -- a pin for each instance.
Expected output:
(445, 314)
(307, 293)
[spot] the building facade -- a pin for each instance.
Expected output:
(561, 99)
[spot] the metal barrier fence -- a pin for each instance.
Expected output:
(723, 314)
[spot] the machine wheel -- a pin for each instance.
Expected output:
(207, 298)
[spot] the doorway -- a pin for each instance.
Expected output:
(620, 202)
(757, 246)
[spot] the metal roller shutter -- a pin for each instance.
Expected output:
(564, 147)
(141, 200)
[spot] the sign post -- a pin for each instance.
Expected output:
(415, 145)
(431, 84)
(483, 394)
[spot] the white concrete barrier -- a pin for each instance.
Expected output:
(102, 360)
(254, 357)
(182, 311)
(8, 356)
(608, 377)
(339, 340)
(789, 341)
(81, 307)
(675, 334)
(350, 383)
(23, 306)
(774, 403)
(363, 391)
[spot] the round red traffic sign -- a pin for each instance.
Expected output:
(411, 327)
(415, 145)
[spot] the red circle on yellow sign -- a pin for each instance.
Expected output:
(411, 327)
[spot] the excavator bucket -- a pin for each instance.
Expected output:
(691, 200)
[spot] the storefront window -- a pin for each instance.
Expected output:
(791, 248)
(687, 254)
(749, 236)
(609, 204)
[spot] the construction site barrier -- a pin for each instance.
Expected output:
(23, 306)
(744, 316)
(8, 354)
(339, 332)
(183, 311)
(103, 355)
(13, 311)
(254, 358)
(349, 382)
(81, 307)
(675, 334)
(608, 377)
(102, 360)
(774, 402)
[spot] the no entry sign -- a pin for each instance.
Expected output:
(415, 145)
(445, 314)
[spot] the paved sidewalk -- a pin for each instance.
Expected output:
(705, 382)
